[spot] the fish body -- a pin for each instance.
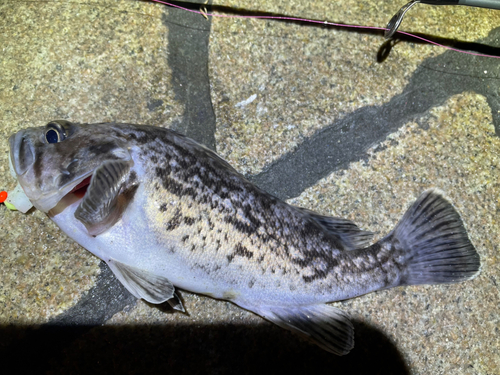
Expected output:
(163, 212)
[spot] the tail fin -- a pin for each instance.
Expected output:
(436, 242)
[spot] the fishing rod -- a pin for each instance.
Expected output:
(392, 26)
(396, 20)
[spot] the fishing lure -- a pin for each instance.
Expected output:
(3, 199)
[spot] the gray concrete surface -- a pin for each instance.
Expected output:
(340, 124)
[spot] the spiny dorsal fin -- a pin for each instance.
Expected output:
(98, 210)
(326, 326)
(144, 284)
(345, 230)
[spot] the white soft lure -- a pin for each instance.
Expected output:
(17, 199)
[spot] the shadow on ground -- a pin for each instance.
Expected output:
(189, 349)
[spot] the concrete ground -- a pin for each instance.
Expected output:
(333, 119)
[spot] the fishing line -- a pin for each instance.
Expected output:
(326, 23)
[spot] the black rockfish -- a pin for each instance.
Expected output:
(163, 211)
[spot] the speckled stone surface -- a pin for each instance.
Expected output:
(273, 87)
(304, 78)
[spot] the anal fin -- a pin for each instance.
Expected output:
(326, 326)
(144, 284)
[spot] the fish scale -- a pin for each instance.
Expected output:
(164, 212)
(187, 178)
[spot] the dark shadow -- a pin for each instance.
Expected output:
(188, 38)
(477, 47)
(189, 349)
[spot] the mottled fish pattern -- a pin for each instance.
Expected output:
(163, 212)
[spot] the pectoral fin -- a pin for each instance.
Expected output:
(326, 326)
(144, 284)
(100, 208)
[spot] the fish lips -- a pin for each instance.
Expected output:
(21, 147)
(21, 161)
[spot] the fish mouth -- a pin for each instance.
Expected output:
(80, 189)
(48, 201)
(22, 157)
(75, 194)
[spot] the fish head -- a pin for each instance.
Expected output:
(60, 158)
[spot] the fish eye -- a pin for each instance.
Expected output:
(52, 136)
(57, 131)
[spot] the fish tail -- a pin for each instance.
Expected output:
(434, 243)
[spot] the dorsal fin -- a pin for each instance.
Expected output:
(345, 230)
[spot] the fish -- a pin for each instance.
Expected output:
(167, 213)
